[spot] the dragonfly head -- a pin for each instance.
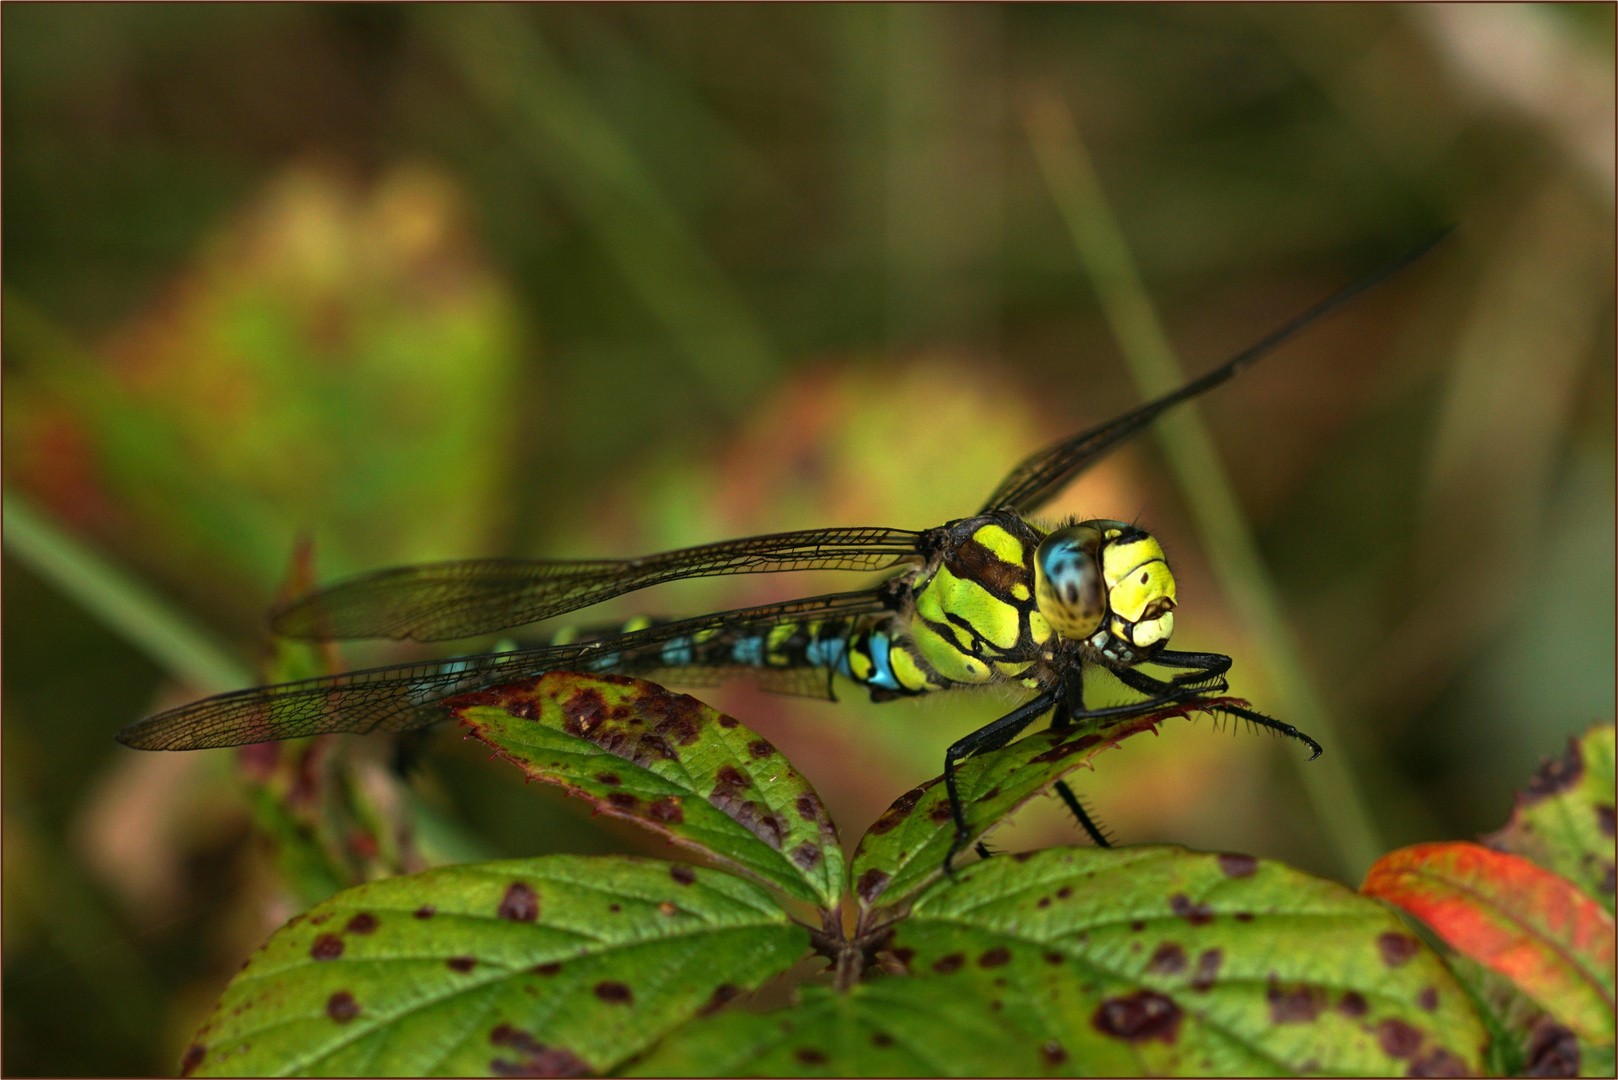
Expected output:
(1105, 582)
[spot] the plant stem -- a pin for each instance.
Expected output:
(1194, 461)
(120, 601)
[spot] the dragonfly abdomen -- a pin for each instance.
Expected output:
(863, 649)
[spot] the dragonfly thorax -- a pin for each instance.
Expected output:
(1107, 584)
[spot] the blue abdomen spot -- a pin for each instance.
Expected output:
(677, 653)
(881, 664)
(749, 650)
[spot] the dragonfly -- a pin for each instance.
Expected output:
(996, 598)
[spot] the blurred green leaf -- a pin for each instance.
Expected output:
(1564, 821)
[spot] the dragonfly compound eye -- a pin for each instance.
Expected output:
(1140, 586)
(1067, 581)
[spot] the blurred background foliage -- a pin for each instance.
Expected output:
(426, 282)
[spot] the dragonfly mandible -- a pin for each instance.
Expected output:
(993, 598)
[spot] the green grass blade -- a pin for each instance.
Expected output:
(510, 68)
(1333, 791)
(124, 604)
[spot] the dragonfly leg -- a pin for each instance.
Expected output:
(1072, 701)
(1092, 828)
(989, 737)
(1165, 692)
(1210, 665)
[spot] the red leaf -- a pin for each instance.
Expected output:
(1510, 915)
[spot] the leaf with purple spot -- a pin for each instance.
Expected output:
(1165, 961)
(670, 763)
(890, 1027)
(1564, 820)
(557, 966)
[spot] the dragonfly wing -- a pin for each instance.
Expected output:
(1041, 476)
(444, 601)
(401, 697)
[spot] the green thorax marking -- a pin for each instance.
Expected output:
(974, 605)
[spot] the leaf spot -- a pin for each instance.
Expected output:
(1237, 866)
(342, 1007)
(871, 884)
(363, 923)
(722, 994)
(806, 855)
(667, 810)
(998, 956)
(944, 965)
(538, 1059)
(1396, 948)
(1553, 1050)
(1556, 774)
(1169, 959)
(1352, 1003)
(614, 993)
(193, 1057)
(520, 904)
(682, 874)
(1207, 969)
(426, 911)
(1139, 1017)
(1195, 914)
(1293, 1004)
(810, 1056)
(1397, 1038)
(463, 964)
(1428, 999)
(1052, 1053)
(326, 947)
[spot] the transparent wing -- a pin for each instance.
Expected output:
(1042, 475)
(443, 601)
(404, 696)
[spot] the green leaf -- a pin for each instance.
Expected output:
(1163, 960)
(558, 965)
(1155, 960)
(1564, 821)
(903, 851)
(1523, 1039)
(671, 763)
(893, 1027)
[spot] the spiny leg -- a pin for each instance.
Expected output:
(1073, 700)
(1164, 692)
(1277, 726)
(1089, 825)
(989, 737)
(1002, 731)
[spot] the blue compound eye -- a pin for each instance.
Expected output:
(1067, 581)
